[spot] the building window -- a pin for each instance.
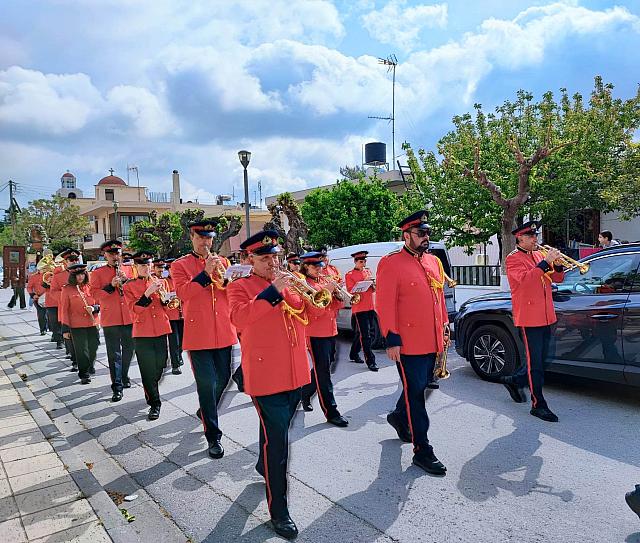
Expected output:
(108, 194)
(127, 220)
(72, 195)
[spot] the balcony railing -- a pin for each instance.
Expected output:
(485, 276)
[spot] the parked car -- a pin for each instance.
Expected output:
(598, 330)
(341, 258)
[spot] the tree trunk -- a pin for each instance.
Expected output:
(508, 223)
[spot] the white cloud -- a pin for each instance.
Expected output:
(399, 25)
(144, 109)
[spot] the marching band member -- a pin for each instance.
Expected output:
(60, 279)
(150, 329)
(530, 275)
(36, 291)
(293, 264)
(107, 287)
(272, 318)
(363, 313)
(411, 306)
(78, 314)
(321, 333)
(329, 269)
(52, 297)
(208, 332)
(175, 319)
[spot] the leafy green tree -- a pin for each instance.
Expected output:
(57, 218)
(351, 213)
(538, 158)
(624, 193)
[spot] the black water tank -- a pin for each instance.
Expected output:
(375, 153)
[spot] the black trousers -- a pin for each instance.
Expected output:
(175, 343)
(119, 353)
(85, 344)
(415, 373)
(42, 317)
(212, 371)
(364, 329)
(54, 324)
(69, 348)
(322, 349)
(531, 374)
(18, 292)
(275, 412)
(152, 354)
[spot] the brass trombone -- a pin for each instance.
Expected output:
(566, 261)
(318, 298)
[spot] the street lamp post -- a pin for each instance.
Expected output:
(245, 157)
(115, 219)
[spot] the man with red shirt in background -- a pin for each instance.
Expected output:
(363, 313)
(36, 291)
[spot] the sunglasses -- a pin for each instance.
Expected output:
(422, 232)
(361, 259)
(72, 258)
(296, 262)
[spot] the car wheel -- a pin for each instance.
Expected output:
(492, 352)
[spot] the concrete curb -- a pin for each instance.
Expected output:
(113, 522)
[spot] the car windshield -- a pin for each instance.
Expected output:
(605, 275)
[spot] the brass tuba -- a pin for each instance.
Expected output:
(566, 261)
(318, 298)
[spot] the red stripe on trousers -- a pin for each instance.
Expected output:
(313, 361)
(194, 374)
(405, 393)
(534, 400)
(264, 453)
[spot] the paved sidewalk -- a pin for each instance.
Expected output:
(39, 500)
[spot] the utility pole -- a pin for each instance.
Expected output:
(13, 207)
(391, 62)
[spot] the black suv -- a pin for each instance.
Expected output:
(598, 330)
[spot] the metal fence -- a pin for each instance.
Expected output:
(477, 275)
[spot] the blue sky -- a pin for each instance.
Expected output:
(87, 85)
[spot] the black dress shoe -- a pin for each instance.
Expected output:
(633, 500)
(127, 384)
(117, 396)
(401, 429)
(199, 414)
(429, 463)
(92, 370)
(42, 333)
(357, 360)
(154, 413)
(176, 371)
(260, 469)
(373, 367)
(285, 527)
(544, 413)
(306, 405)
(85, 380)
(215, 450)
(339, 421)
(516, 393)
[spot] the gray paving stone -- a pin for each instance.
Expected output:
(45, 498)
(8, 508)
(31, 465)
(28, 437)
(91, 532)
(59, 518)
(26, 451)
(27, 425)
(12, 531)
(39, 479)
(5, 488)
(15, 420)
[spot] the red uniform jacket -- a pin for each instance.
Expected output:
(60, 278)
(113, 308)
(205, 308)
(323, 323)
(173, 314)
(149, 317)
(366, 302)
(531, 288)
(274, 354)
(34, 286)
(412, 313)
(72, 310)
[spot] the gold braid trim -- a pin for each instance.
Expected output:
(435, 284)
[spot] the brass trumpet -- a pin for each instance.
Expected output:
(440, 370)
(345, 296)
(47, 265)
(566, 261)
(318, 298)
(217, 277)
(169, 299)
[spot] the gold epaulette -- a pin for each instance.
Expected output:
(394, 252)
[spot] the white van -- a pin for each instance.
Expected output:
(341, 258)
